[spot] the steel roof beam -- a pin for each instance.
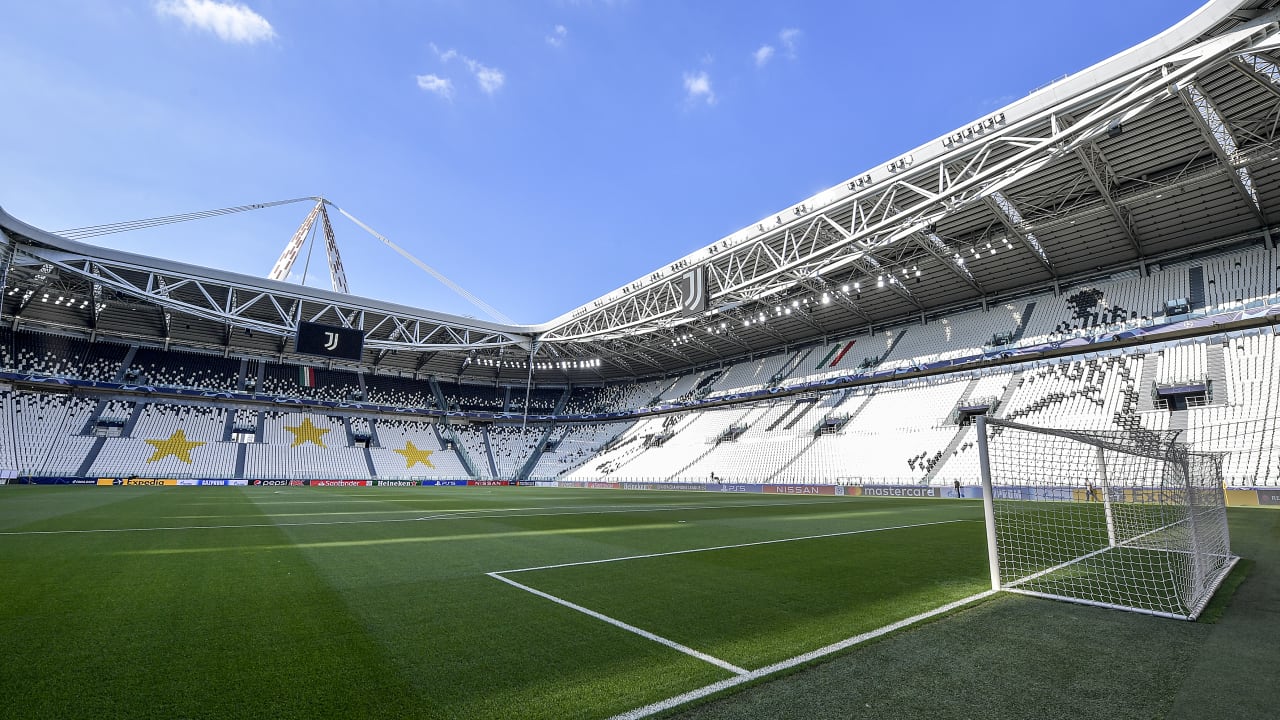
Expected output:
(993, 158)
(1009, 216)
(268, 313)
(1218, 136)
(1261, 70)
(1101, 174)
(935, 246)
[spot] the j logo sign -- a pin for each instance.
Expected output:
(329, 340)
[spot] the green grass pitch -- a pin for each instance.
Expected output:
(377, 602)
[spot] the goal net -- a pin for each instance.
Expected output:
(1128, 520)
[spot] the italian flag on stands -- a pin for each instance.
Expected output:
(307, 377)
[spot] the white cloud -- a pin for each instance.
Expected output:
(230, 21)
(446, 55)
(764, 55)
(490, 79)
(697, 86)
(557, 36)
(436, 84)
(788, 37)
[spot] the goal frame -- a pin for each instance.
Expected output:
(1209, 579)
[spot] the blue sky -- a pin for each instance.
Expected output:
(540, 153)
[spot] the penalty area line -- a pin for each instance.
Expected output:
(734, 546)
(629, 628)
(740, 672)
(713, 688)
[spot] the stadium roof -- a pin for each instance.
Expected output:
(1166, 149)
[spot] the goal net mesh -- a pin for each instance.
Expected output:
(1129, 520)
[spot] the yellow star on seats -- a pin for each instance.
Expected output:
(413, 455)
(306, 432)
(176, 445)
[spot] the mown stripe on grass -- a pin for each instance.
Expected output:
(450, 515)
(239, 635)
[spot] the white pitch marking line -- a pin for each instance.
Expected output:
(498, 575)
(730, 547)
(629, 628)
(678, 700)
(450, 516)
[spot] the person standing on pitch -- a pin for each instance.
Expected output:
(958, 495)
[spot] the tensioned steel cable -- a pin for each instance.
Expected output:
(117, 227)
(92, 231)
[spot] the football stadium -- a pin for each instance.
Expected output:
(990, 429)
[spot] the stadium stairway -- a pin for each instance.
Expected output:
(844, 398)
(91, 456)
(854, 415)
(488, 453)
(241, 451)
(241, 376)
(1195, 298)
(947, 453)
(783, 417)
(1023, 320)
(124, 364)
(809, 404)
(127, 430)
(368, 461)
(1147, 380)
(93, 418)
(458, 449)
(964, 395)
(803, 451)
(1009, 389)
(229, 425)
(564, 400)
(667, 388)
(789, 367)
(743, 419)
(527, 468)
(889, 350)
(442, 404)
(673, 423)
(1216, 372)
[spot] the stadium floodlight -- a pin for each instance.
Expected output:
(1125, 520)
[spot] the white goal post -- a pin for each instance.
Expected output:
(1129, 520)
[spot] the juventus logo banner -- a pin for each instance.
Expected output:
(329, 341)
(693, 292)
